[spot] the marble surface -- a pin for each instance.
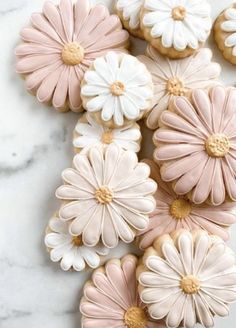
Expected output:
(35, 146)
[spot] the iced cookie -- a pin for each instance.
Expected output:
(89, 133)
(107, 196)
(69, 250)
(188, 279)
(111, 298)
(129, 13)
(117, 89)
(196, 145)
(225, 33)
(176, 28)
(173, 212)
(61, 44)
(172, 78)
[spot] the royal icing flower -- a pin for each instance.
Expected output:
(111, 298)
(89, 133)
(69, 250)
(198, 146)
(173, 213)
(107, 195)
(60, 46)
(117, 88)
(172, 78)
(188, 279)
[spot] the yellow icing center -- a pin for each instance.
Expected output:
(72, 53)
(190, 284)
(176, 87)
(77, 241)
(107, 137)
(104, 195)
(178, 13)
(117, 88)
(135, 317)
(217, 145)
(180, 209)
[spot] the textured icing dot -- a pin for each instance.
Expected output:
(217, 145)
(135, 317)
(77, 241)
(104, 195)
(72, 54)
(190, 284)
(178, 13)
(176, 87)
(107, 137)
(117, 88)
(180, 209)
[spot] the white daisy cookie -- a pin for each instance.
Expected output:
(225, 33)
(176, 28)
(117, 89)
(89, 133)
(188, 278)
(69, 250)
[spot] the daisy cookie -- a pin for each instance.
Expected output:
(177, 77)
(89, 133)
(225, 33)
(107, 196)
(196, 145)
(69, 250)
(188, 278)
(129, 13)
(111, 298)
(117, 89)
(173, 212)
(61, 44)
(176, 28)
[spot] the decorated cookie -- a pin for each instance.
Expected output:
(225, 33)
(89, 133)
(173, 212)
(111, 298)
(117, 89)
(129, 13)
(187, 279)
(107, 195)
(176, 28)
(196, 145)
(172, 78)
(69, 250)
(61, 44)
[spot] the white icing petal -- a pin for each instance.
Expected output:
(131, 11)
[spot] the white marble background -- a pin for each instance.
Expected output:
(35, 146)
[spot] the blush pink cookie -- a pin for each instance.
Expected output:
(196, 146)
(111, 298)
(174, 212)
(61, 44)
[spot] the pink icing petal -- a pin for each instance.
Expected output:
(129, 269)
(74, 90)
(59, 100)
(67, 17)
(203, 106)
(230, 181)
(26, 49)
(32, 63)
(82, 9)
(99, 311)
(218, 189)
(171, 136)
(218, 97)
(30, 34)
(229, 111)
(219, 214)
(170, 152)
(114, 323)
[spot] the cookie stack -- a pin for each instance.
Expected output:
(177, 207)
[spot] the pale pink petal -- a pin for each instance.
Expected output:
(67, 17)
(30, 34)
(230, 181)
(74, 82)
(114, 323)
(203, 108)
(82, 9)
(172, 136)
(32, 63)
(26, 49)
(219, 214)
(218, 188)
(171, 151)
(218, 97)
(229, 111)
(99, 311)
(60, 96)
(129, 269)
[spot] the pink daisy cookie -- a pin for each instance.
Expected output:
(174, 212)
(196, 146)
(60, 46)
(111, 300)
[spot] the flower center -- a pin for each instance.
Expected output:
(107, 137)
(135, 317)
(176, 87)
(190, 284)
(180, 209)
(179, 13)
(104, 195)
(77, 241)
(217, 145)
(117, 88)
(72, 54)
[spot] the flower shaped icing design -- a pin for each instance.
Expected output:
(111, 298)
(117, 88)
(173, 212)
(108, 194)
(88, 133)
(69, 250)
(61, 44)
(173, 78)
(197, 145)
(188, 278)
